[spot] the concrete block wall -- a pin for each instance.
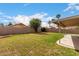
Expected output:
(15, 30)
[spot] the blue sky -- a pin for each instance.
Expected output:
(11, 11)
(32, 8)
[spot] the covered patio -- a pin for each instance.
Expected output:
(69, 40)
(69, 21)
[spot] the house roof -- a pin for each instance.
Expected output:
(69, 21)
(20, 25)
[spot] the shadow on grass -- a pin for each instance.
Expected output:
(5, 36)
(41, 33)
(76, 50)
(9, 35)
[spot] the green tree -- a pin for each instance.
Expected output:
(58, 16)
(35, 24)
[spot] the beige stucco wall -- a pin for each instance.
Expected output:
(69, 30)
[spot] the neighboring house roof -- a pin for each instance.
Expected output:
(20, 25)
(69, 21)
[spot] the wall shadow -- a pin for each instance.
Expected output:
(9, 35)
(4, 36)
(75, 40)
(41, 33)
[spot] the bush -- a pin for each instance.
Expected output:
(43, 29)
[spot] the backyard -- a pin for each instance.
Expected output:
(34, 44)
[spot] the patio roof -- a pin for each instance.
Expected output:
(69, 21)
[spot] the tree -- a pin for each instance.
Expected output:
(35, 24)
(9, 24)
(49, 22)
(53, 20)
(58, 16)
(1, 24)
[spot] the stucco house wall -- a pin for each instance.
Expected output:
(69, 30)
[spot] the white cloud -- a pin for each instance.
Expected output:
(39, 15)
(26, 4)
(72, 7)
(4, 16)
(44, 24)
(22, 19)
(25, 19)
(50, 17)
(7, 17)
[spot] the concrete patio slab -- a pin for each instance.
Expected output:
(70, 41)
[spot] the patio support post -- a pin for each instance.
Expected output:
(59, 28)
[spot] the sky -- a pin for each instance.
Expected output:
(24, 12)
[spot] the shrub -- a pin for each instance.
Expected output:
(43, 29)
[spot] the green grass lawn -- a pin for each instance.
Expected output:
(43, 44)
